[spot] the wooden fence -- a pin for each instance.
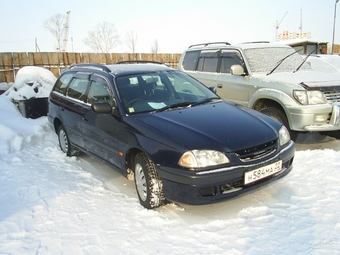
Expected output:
(11, 62)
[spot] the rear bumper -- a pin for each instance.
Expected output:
(190, 187)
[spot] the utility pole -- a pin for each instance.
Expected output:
(36, 45)
(66, 27)
(336, 1)
(300, 23)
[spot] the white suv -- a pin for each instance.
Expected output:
(271, 78)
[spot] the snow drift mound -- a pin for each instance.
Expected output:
(31, 82)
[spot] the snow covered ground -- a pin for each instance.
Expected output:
(52, 204)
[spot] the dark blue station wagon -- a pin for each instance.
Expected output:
(175, 137)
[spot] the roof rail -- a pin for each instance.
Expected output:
(257, 42)
(207, 44)
(91, 66)
(140, 62)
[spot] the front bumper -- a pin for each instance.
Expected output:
(191, 187)
(324, 117)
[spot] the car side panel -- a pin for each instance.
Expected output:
(70, 115)
(234, 88)
(101, 133)
(207, 78)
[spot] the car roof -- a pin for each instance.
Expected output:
(126, 69)
(123, 69)
(246, 45)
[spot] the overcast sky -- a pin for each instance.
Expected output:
(175, 24)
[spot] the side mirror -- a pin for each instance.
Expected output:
(104, 107)
(237, 70)
(213, 89)
(101, 107)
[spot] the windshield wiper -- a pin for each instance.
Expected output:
(187, 104)
(207, 100)
(176, 105)
(280, 62)
(304, 60)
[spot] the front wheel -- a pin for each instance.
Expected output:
(148, 184)
(281, 117)
(65, 144)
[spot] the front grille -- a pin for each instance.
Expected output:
(257, 152)
(332, 96)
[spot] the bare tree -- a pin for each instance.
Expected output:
(103, 38)
(155, 47)
(55, 25)
(131, 40)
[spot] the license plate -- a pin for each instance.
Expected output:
(262, 172)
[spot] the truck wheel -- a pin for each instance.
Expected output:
(148, 184)
(281, 117)
(65, 144)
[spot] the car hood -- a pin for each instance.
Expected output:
(220, 126)
(308, 79)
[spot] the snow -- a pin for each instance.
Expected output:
(53, 204)
(31, 82)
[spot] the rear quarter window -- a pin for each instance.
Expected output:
(190, 60)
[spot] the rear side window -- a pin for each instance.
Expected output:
(190, 60)
(208, 61)
(207, 64)
(77, 89)
(62, 83)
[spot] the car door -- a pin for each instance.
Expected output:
(71, 108)
(228, 86)
(100, 131)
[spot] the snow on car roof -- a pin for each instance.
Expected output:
(123, 69)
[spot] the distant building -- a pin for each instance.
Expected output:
(305, 46)
(288, 35)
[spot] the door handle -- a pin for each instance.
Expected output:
(219, 86)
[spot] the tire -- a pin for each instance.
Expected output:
(281, 117)
(65, 144)
(148, 184)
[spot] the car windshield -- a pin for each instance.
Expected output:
(264, 60)
(161, 91)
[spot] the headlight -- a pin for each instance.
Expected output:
(284, 135)
(309, 97)
(202, 158)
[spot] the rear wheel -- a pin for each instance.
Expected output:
(148, 184)
(65, 144)
(281, 117)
